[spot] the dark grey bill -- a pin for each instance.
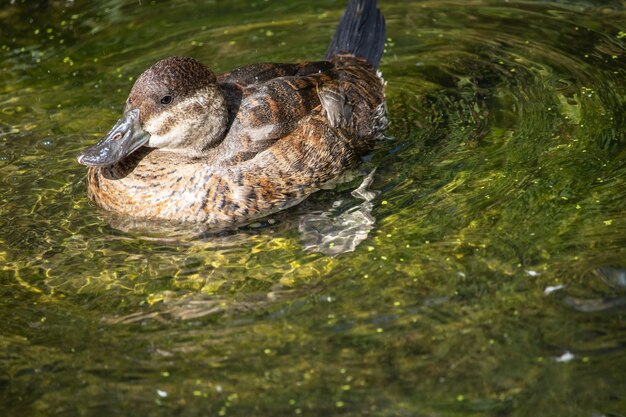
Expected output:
(125, 138)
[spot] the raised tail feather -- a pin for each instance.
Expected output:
(361, 32)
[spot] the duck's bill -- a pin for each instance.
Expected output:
(126, 137)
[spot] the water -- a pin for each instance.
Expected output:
(491, 282)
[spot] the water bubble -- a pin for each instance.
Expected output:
(47, 143)
(565, 357)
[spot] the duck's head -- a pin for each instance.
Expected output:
(175, 105)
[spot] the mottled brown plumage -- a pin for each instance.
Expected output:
(240, 145)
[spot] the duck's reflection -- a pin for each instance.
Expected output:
(334, 232)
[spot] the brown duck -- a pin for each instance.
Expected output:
(195, 147)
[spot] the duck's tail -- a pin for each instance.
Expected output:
(361, 32)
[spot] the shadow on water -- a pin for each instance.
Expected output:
(485, 277)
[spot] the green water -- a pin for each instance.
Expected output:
(492, 281)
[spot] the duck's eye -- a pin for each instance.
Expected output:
(166, 100)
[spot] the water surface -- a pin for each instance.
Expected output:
(491, 280)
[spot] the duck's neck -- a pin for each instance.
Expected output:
(211, 126)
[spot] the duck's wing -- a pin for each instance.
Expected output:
(245, 81)
(347, 94)
(266, 105)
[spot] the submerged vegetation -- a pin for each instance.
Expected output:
(489, 281)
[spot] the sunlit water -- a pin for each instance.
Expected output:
(489, 281)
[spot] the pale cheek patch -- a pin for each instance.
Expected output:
(173, 138)
(171, 128)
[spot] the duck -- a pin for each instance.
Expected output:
(195, 147)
